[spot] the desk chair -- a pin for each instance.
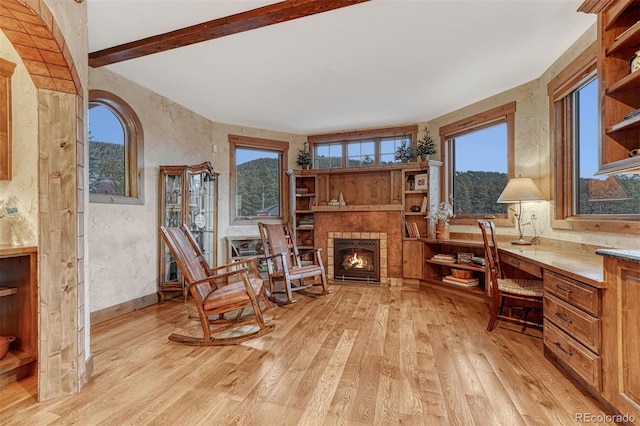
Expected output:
(509, 292)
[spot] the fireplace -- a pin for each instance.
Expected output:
(356, 259)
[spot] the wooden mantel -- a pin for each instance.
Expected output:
(357, 208)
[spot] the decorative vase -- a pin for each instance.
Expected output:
(442, 230)
(424, 157)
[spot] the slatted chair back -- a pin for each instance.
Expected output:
(276, 239)
(488, 230)
(190, 260)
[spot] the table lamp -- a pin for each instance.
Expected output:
(518, 190)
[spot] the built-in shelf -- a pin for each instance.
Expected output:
(456, 265)
(8, 291)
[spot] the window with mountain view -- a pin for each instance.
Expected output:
(477, 151)
(115, 151)
(480, 171)
(597, 194)
(362, 148)
(584, 200)
(257, 170)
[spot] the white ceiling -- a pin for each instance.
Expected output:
(373, 64)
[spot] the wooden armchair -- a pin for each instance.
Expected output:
(284, 264)
(221, 294)
(512, 293)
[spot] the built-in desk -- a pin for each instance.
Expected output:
(587, 268)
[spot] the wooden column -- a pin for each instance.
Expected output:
(58, 245)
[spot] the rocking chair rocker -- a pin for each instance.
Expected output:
(220, 294)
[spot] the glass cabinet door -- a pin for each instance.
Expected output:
(188, 195)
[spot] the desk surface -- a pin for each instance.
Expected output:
(587, 268)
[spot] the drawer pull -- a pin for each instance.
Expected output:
(559, 287)
(563, 349)
(563, 318)
(514, 262)
(631, 277)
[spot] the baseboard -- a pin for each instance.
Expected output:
(123, 308)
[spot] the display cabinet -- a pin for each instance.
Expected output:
(189, 196)
(619, 44)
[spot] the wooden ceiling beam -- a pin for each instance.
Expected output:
(244, 21)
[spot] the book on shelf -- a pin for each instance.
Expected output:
(451, 258)
(478, 260)
(416, 230)
(412, 229)
(462, 282)
(425, 204)
(409, 229)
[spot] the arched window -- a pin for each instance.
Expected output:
(115, 151)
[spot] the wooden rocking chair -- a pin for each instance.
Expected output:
(285, 266)
(218, 292)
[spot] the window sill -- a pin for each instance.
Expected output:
(498, 221)
(614, 226)
(113, 199)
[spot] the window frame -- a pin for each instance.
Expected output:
(344, 138)
(134, 148)
(249, 142)
(559, 90)
(501, 114)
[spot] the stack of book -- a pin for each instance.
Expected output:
(441, 257)
(462, 282)
(306, 223)
(477, 261)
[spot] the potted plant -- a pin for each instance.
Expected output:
(426, 145)
(405, 152)
(442, 214)
(305, 159)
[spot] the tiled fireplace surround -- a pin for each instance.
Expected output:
(383, 225)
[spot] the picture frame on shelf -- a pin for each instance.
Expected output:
(422, 182)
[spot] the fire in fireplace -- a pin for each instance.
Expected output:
(356, 259)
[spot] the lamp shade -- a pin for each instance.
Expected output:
(520, 189)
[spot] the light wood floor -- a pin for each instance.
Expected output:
(363, 355)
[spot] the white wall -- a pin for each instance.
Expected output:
(22, 190)
(123, 239)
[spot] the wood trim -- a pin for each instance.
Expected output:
(593, 6)
(6, 71)
(478, 121)
(363, 134)
(256, 18)
(581, 70)
(119, 309)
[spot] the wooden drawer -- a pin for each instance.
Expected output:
(523, 265)
(576, 293)
(574, 355)
(580, 325)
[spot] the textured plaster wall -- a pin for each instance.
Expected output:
(533, 151)
(22, 190)
(123, 239)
